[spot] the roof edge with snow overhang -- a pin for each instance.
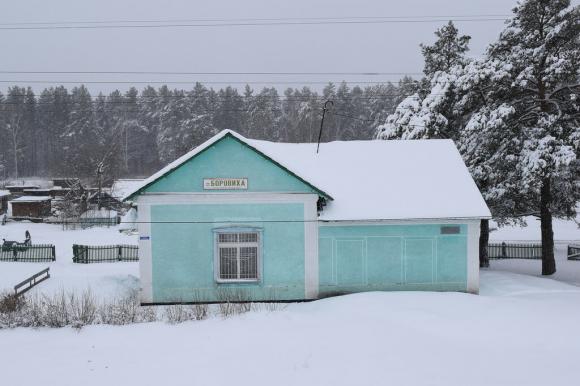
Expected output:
(204, 146)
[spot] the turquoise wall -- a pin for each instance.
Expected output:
(391, 257)
(228, 158)
(183, 254)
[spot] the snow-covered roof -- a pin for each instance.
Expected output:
(122, 187)
(32, 199)
(4, 193)
(373, 180)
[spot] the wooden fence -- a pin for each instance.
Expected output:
(34, 253)
(514, 251)
(574, 252)
(104, 253)
(33, 280)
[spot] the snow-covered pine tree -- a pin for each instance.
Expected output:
(428, 110)
(540, 53)
(53, 116)
(30, 126)
(202, 114)
(263, 114)
(228, 106)
(149, 121)
(13, 128)
(448, 50)
(82, 142)
(173, 136)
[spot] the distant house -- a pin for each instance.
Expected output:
(31, 207)
(18, 190)
(277, 221)
(37, 192)
(4, 194)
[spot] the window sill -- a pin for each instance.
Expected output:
(233, 281)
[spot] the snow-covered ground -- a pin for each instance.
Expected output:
(104, 279)
(565, 232)
(521, 330)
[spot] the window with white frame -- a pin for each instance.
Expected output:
(237, 255)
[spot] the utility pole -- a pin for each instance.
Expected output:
(324, 110)
(100, 168)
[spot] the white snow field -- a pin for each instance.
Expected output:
(104, 279)
(521, 330)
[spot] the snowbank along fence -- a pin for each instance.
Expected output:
(514, 251)
(33, 280)
(104, 253)
(574, 252)
(34, 253)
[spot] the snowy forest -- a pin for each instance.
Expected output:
(65, 133)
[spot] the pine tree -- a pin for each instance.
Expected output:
(540, 53)
(448, 51)
(264, 110)
(148, 105)
(14, 127)
(82, 142)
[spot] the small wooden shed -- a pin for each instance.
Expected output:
(31, 207)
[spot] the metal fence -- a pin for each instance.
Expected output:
(514, 251)
(91, 222)
(34, 253)
(574, 252)
(104, 253)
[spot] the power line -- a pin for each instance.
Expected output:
(208, 20)
(245, 24)
(190, 82)
(351, 117)
(140, 99)
(211, 73)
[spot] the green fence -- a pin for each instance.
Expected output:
(574, 252)
(104, 253)
(514, 251)
(34, 253)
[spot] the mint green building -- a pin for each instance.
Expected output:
(242, 219)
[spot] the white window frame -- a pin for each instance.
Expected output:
(217, 244)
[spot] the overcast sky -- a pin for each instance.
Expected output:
(295, 48)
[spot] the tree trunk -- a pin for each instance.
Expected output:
(548, 261)
(483, 242)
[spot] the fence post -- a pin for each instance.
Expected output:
(53, 253)
(503, 249)
(120, 252)
(14, 252)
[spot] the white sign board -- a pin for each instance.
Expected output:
(225, 183)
